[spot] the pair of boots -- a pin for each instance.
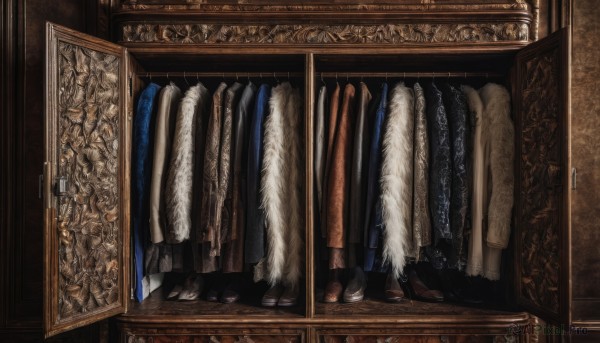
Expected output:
(354, 292)
(416, 289)
(279, 295)
(189, 290)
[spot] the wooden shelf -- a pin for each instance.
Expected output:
(156, 306)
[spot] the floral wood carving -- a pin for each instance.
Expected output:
(88, 215)
(324, 34)
(540, 178)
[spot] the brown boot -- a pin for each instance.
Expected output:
(393, 291)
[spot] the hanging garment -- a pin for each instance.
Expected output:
(163, 135)
(421, 225)
(210, 182)
(373, 221)
(359, 170)
(338, 187)
(456, 108)
(496, 102)
(330, 138)
(281, 187)
(181, 168)
(225, 193)
(202, 261)
(440, 177)
(254, 248)
(233, 259)
(397, 178)
(294, 263)
(320, 151)
(493, 153)
(141, 173)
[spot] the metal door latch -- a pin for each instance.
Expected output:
(60, 187)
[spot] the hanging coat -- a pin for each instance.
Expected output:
(254, 248)
(181, 168)
(141, 174)
(372, 227)
(493, 179)
(440, 177)
(281, 187)
(210, 182)
(397, 178)
(421, 225)
(456, 108)
(233, 260)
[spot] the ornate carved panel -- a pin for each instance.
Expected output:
(84, 274)
(541, 176)
(396, 34)
(213, 339)
(88, 214)
(419, 339)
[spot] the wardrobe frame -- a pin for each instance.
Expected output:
(153, 19)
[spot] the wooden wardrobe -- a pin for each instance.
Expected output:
(465, 41)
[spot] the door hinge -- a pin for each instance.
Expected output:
(573, 178)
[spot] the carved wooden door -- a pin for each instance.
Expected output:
(542, 218)
(86, 170)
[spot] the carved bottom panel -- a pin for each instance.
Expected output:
(417, 339)
(213, 339)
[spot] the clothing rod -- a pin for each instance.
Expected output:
(411, 74)
(223, 74)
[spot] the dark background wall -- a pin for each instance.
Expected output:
(22, 42)
(22, 99)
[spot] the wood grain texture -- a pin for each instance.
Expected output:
(585, 144)
(213, 339)
(415, 339)
(541, 185)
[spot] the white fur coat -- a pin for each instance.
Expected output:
(178, 190)
(281, 186)
(397, 178)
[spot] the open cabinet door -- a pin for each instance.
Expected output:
(542, 217)
(86, 181)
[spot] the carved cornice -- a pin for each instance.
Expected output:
(421, 5)
(309, 34)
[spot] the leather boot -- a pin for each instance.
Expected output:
(272, 295)
(192, 287)
(289, 296)
(420, 291)
(333, 289)
(355, 291)
(393, 292)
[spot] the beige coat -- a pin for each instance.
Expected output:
(493, 178)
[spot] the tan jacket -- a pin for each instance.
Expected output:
(163, 136)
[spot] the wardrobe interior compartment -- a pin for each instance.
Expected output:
(374, 69)
(186, 68)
